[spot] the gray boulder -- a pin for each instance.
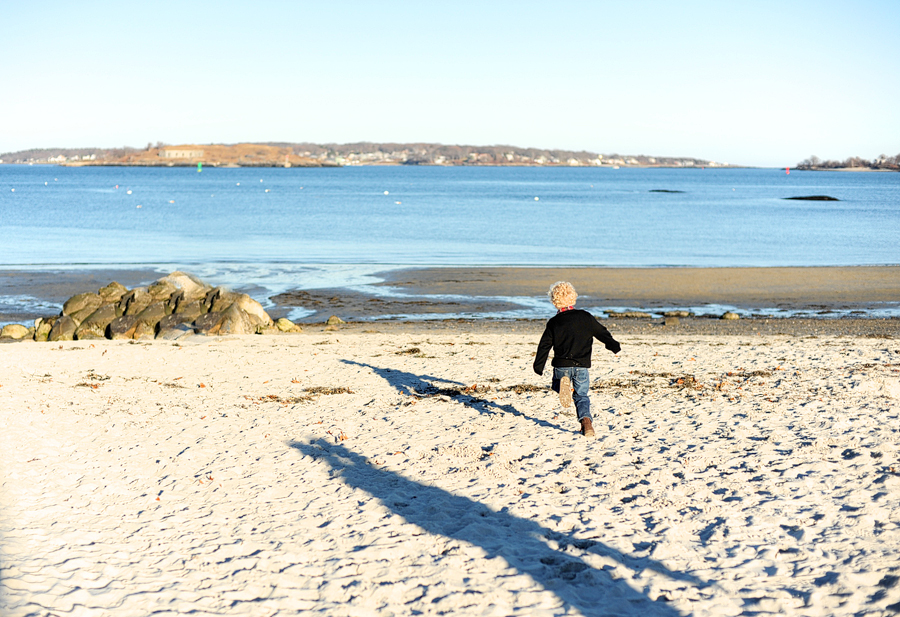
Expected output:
(14, 331)
(153, 313)
(63, 329)
(194, 309)
(730, 315)
(135, 301)
(220, 299)
(253, 309)
(286, 325)
(236, 321)
(208, 323)
(144, 331)
(193, 288)
(176, 332)
(112, 292)
(161, 290)
(175, 319)
(122, 327)
(83, 314)
(94, 326)
(82, 302)
(148, 319)
(42, 327)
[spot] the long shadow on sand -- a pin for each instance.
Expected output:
(412, 384)
(522, 543)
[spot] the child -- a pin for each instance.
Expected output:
(571, 335)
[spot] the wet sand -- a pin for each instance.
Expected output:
(58, 285)
(835, 288)
(469, 292)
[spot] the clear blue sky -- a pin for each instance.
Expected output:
(759, 83)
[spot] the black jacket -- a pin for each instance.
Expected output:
(571, 335)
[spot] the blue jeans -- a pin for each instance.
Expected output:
(580, 382)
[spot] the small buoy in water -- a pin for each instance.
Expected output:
(139, 206)
(117, 186)
(301, 188)
(238, 184)
(398, 202)
(14, 190)
(386, 193)
(45, 184)
(171, 201)
(129, 192)
(537, 198)
(267, 190)
(260, 179)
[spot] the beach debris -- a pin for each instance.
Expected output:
(412, 351)
(328, 391)
(311, 394)
(523, 388)
(631, 315)
(730, 315)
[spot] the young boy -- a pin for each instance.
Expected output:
(571, 334)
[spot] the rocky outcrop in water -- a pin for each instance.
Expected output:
(174, 306)
(814, 198)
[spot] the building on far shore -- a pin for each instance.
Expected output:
(174, 153)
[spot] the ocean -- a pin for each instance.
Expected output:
(280, 229)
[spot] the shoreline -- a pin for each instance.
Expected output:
(417, 294)
(517, 292)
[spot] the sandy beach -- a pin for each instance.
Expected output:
(426, 470)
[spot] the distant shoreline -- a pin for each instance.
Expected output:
(398, 164)
(281, 154)
(332, 166)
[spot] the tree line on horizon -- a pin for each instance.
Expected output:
(854, 162)
(407, 153)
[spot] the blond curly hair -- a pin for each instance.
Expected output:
(562, 294)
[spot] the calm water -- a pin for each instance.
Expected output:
(454, 216)
(278, 229)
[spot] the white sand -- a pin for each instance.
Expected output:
(164, 486)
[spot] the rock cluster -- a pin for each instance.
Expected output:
(174, 306)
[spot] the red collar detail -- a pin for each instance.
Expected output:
(565, 308)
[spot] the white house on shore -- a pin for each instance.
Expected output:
(173, 153)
